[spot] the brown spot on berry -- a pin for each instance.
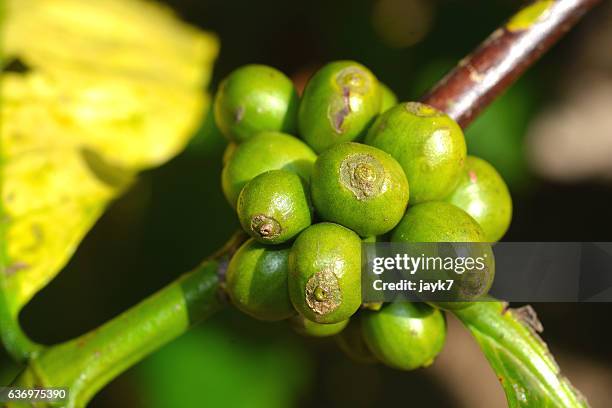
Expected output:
(265, 227)
(363, 175)
(421, 109)
(352, 82)
(323, 293)
(343, 112)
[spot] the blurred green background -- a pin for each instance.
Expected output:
(176, 215)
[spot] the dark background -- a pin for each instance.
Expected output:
(176, 215)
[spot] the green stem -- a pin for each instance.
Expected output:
(85, 364)
(528, 372)
(12, 337)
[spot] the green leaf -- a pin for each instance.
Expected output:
(104, 89)
(521, 360)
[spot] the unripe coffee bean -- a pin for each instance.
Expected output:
(427, 143)
(325, 273)
(339, 103)
(405, 335)
(255, 98)
(274, 206)
(360, 187)
(263, 152)
(256, 281)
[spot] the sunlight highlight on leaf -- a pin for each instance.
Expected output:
(92, 92)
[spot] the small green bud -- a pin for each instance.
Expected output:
(274, 206)
(483, 194)
(427, 143)
(360, 187)
(263, 152)
(306, 327)
(255, 98)
(256, 281)
(339, 103)
(325, 273)
(405, 335)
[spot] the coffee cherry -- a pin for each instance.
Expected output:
(263, 152)
(437, 221)
(306, 327)
(482, 193)
(339, 103)
(325, 273)
(352, 343)
(427, 143)
(229, 152)
(256, 281)
(255, 98)
(274, 206)
(360, 187)
(389, 99)
(405, 335)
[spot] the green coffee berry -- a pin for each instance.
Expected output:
(263, 152)
(482, 193)
(339, 103)
(229, 152)
(325, 273)
(427, 143)
(306, 327)
(437, 221)
(373, 239)
(274, 206)
(256, 281)
(352, 343)
(405, 335)
(255, 98)
(360, 187)
(389, 99)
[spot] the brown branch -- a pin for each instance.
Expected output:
(480, 77)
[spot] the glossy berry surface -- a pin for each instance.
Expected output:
(360, 187)
(274, 206)
(325, 273)
(483, 194)
(437, 221)
(255, 98)
(339, 103)
(256, 281)
(265, 151)
(427, 143)
(405, 335)
(309, 328)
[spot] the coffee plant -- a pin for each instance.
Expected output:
(310, 179)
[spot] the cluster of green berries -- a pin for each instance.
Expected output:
(312, 177)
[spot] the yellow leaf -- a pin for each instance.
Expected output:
(109, 88)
